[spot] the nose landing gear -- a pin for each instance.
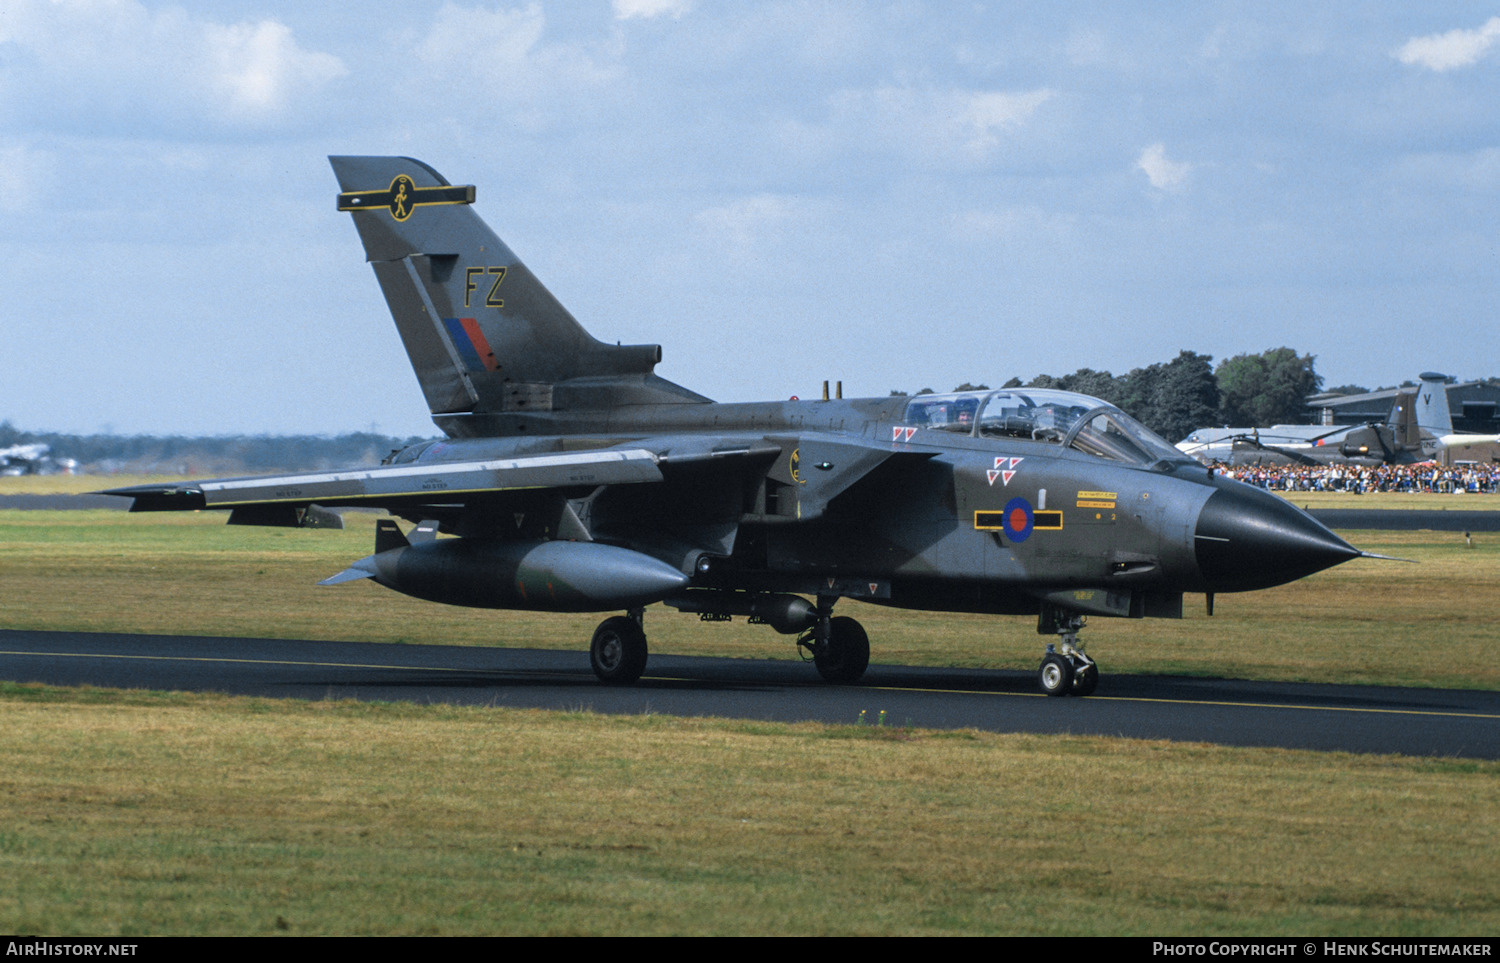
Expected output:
(1066, 669)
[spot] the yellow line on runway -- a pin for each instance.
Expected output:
(1205, 702)
(1023, 695)
(204, 658)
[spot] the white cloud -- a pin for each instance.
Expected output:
(1020, 224)
(1473, 173)
(1451, 50)
(258, 66)
(504, 51)
(31, 178)
(990, 112)
(1163, 174)
(649, 9)
(748, 222)
(504, 38)
(101, 64)
(932, 126)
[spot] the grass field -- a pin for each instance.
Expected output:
(72, 484)
(1365, 621)
(1395, 501)
(144, 813)
(139, 813)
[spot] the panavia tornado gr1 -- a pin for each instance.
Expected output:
(572, 478)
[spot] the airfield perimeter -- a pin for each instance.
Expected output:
(958, 684)
(1382, 623)
(1240, 840)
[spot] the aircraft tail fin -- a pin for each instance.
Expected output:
(484, 335)
(1432, 405)
(1406, 433)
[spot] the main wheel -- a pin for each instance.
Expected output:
(1056, 675)
(847, 655)
(1085, 679)
(618, 651)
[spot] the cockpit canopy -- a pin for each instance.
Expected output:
(1063, 418)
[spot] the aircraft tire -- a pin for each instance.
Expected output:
(847, 655)
(1085, 679)
(1055, 676)
(618, 651)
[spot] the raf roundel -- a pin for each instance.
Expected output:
(1018, 519)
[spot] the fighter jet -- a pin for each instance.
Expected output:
(22, 459)
(33, 459)
(573, 478)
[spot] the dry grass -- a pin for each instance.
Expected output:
(1397, 501)
(72, 484)
(152, 814)
(142, 813)
(1366, 621)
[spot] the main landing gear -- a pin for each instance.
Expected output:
(839, 647)
(1066, 670)
(843, 652)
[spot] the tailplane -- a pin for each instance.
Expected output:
(484, 335)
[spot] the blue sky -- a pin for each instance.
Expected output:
(898, 195)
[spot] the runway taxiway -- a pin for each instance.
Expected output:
(1364, 719)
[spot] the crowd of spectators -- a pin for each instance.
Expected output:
(1457, 480)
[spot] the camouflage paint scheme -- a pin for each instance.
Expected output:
(576, 479)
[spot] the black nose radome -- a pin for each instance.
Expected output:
(1249, 539)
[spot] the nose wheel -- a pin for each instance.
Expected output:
(1066, 669)
(1056, 675)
